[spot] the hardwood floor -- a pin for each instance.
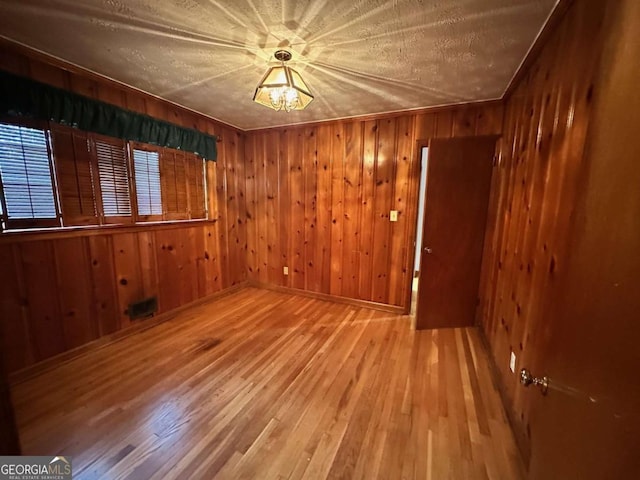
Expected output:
(262, 384)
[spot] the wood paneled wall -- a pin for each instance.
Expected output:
(9, 439)
(64, 289)
(319, 197)
(534, 194)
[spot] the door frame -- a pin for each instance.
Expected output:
(420, 144)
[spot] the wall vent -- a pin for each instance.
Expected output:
(143, 309)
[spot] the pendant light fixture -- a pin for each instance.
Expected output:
(282, 88)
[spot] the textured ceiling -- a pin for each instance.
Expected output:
(358, 57)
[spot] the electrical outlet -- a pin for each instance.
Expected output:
(393, 215)
(512, 362)
(285, 270)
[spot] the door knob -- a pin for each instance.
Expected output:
(527, 379)
(427, 249)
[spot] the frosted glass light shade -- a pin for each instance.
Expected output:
(282, 88)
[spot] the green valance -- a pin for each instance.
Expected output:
(23, 96)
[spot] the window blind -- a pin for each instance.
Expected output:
(25, 171)
(114, 178)
(148, 189)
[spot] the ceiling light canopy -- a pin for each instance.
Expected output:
(282, 88)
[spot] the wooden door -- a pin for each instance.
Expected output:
(458, 184)
(587, 426)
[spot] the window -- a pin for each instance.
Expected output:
(27, 182)
(174, 185)
(62, 176)
(114, 179)
(195, 183)
(182, 177)
(76, 175)
(146, 165)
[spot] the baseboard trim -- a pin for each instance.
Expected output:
(49, 363)
(383, 307)
(523, 446)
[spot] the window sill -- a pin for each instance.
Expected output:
(47, 233)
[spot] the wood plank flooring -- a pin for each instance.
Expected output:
(267, 385)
